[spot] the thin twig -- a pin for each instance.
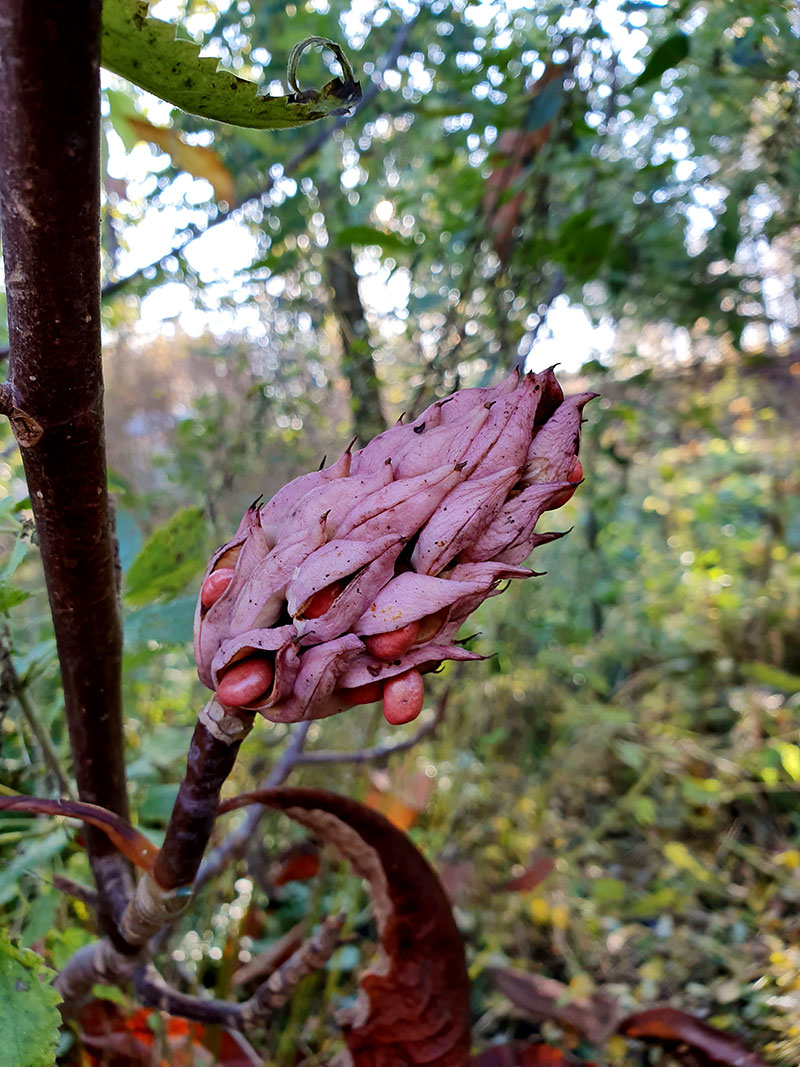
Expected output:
(77, 890)
(153, 992)
(379, 752)
(14, 684)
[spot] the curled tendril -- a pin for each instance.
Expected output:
(348, 75)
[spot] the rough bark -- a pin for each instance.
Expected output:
(212, 753)
(50, 191)
(358, 365)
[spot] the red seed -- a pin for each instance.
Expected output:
(362, 694)
(393, 644)
(245, 681)
(215, 585)
(403, 697)
(575, 474)
(320, 602)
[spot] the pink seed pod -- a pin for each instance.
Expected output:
(353, 581)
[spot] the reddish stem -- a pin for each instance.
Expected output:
(50, 188)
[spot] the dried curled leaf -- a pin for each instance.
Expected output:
(692, 1040)
(413, 1006)
(537, 997)
(131, 843)
(146, 52)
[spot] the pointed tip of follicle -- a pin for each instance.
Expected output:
(322, 462)
(349, 448)
(466, 640)
(256, 503)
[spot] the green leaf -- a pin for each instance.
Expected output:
(169, 624)
(157, 804)
(112, 993)
(790, 758)
(146, 52)
(120, 110)
(666, 56)
(678, 854)
(171, 557)
(33, 855)
(18, 553)
(129, 537)
(41, 918)
(608, 890)
(771, 676)
(367, 235)
(545, 106)
(29, 1016)
(10, 597)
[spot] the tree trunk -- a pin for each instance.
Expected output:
(50, 190)
(358, 365)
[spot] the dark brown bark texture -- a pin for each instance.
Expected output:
(49, 194)
(208, 764)
(358, 365)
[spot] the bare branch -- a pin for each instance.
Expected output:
(77, 890)
(313, 954)
(235, 844)
(380, 752)
(153, 992)
(262, 965)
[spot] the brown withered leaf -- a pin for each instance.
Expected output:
(689, 1039)
(197, 160)
(401, 797)
(131, 843)
(517, 1055)
(297, 863)
(538, 869)
(413, 1006)
(596, 1017)
(514, 152)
